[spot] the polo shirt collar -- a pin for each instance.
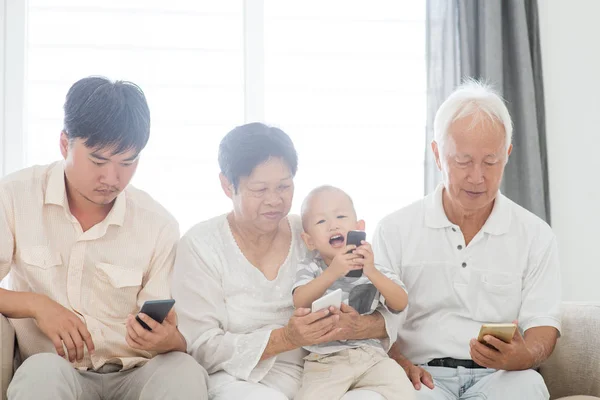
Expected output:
(497, 223)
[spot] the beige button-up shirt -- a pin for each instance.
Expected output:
(102, 274)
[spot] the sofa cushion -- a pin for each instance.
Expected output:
(7, 341)
(574, 367)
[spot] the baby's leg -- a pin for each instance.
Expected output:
(328, 378)
(387, 378)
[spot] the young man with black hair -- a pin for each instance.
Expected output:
(85, 250)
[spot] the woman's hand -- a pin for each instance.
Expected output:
(306, 328)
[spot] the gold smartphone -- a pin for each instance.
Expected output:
(504, 332)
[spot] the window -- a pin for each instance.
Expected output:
(345, 79)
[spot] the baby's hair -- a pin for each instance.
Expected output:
(318, 190)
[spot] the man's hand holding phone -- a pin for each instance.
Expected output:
(64, 328)
(498, 354)
(146, 333)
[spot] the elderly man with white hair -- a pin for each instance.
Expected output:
(469, 256)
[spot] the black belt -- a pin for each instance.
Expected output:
(453, 363)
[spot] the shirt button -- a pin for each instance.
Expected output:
(459, 247)
(464, 265)
(453, 229)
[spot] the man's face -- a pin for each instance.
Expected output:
(97, 175)
(472, 161)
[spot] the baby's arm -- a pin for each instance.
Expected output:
(395, 296)
(305, 295)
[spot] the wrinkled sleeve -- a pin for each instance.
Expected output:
(156, 280)
(305, 273)
(542, 289)
(387, 260)
(394, 277)
(200, 303)
(7, 237)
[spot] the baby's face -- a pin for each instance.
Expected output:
(329, 217)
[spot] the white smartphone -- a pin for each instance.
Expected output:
(332, 299)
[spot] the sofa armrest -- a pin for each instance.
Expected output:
(574, 367)
(7, 352)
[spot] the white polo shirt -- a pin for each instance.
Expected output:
(509, 271)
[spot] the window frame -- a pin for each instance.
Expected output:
(13, 53)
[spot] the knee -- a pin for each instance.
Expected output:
(534, 380)
(528, 381)
(362, 394)
(273, 394)
(41, 376)
(44, 363)
(185, 370)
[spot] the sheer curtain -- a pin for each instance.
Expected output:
(499, 42)
(346, 80)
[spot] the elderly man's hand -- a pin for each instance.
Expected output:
(415, 374)
(513, 356)
(162, 338)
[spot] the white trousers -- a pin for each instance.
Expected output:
(281, 383)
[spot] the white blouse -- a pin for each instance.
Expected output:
(226, 307)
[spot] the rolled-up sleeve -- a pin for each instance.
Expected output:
(541, 294)
(200, 303)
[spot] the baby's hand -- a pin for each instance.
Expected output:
(367, 258)
(344, 263)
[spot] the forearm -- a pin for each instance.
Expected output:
(278, 343)
(395, 354)
(370, 326)
(540, 342)
(305, 295)
(395, 296)
(19, 304)
(178, 343)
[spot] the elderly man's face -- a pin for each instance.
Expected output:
(472, 161)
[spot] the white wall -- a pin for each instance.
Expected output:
(571, 62)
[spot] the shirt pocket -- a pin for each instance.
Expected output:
(494, 297)
(40, 270)
(41, 257)
(119, 288)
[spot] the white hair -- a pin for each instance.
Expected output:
(472, 98)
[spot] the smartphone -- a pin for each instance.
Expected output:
(504, 332)
(331, 299)
(155, 309)
(355, 238)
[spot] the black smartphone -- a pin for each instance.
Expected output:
(355, 238)
(155, 309)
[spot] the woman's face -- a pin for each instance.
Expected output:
(264, 198)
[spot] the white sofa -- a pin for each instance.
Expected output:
(573, 371)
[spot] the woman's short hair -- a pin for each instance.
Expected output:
(247, 146)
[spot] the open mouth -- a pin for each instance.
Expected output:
(337, 240)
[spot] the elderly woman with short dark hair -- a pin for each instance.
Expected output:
(234, 274)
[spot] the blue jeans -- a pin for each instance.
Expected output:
(483, 384)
